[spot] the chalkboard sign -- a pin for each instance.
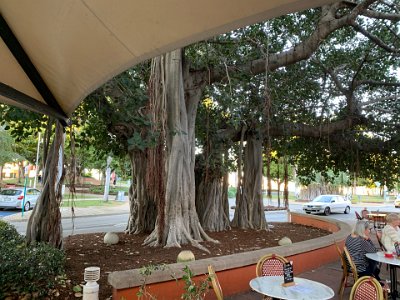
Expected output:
(397, 247)
(288, 274)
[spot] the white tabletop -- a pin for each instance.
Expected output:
(304, 289)
(380, 257)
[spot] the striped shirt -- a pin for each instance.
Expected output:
(358, 247)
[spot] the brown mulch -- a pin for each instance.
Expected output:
(84, 250)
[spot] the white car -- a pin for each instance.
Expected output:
(325, 204)
(397, 201)
(14, 198)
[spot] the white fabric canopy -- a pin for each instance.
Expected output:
(77, 45)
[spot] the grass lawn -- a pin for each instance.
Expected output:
(88, 203)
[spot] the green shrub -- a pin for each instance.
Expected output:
(232, 192)
(27, 268)
(99, 189)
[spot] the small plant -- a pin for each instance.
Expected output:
(24, 269)
(192, 290)
(145, 272)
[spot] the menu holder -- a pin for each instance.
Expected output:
(288, 274)
(397, 248)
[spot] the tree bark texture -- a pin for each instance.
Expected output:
(250, 211)
(212, 201)
(142, 209)
(286, 183)
(44, 225)
(182, 225)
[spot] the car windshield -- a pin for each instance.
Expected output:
(323, 198)
(10, 192)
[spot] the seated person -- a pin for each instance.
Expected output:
(364, 213)
(391, 232)
(358, 244)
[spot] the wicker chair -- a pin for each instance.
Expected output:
(350, 261)
(215, 283)
(344, 283)
(367, 287)
(270, 265)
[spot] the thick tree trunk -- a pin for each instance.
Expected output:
(143, 212)
(212, 200)
(44, 225)
(250, 211)
(181, 225)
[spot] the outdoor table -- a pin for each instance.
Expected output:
(378, 219)
(393, 264)
(303, 289)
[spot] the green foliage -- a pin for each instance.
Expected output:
(99, 189)
(7, 152)
(27, 269)
(232, 192)
(192, 290)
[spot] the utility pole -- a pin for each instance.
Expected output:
(107, 181)
(37, 162)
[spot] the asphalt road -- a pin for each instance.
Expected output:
(117, 223)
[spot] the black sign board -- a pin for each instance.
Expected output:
(288, 274)
(397, 247)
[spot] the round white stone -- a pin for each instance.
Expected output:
(111, 238)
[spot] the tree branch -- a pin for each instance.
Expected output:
(374, 38)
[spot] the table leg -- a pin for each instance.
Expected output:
(393, 282)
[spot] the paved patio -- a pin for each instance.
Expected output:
(329, 275)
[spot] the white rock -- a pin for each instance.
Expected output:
(111, 238)
(185, 255)
(284, 241)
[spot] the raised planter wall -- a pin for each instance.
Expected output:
(235, 271)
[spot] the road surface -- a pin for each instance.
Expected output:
(117, 222)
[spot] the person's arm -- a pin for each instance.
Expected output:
(393, 234)
(368, 246)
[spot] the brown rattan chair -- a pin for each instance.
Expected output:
(344, 283)
(350, 263)
(215, 283)
(367, 287)
(270, 265)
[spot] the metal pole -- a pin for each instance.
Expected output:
(37, 162)
(107, 181)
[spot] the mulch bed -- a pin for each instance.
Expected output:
(84, 250)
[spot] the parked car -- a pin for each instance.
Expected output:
(397, 201)
(14, 198)
(325, 204)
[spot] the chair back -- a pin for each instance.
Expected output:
(270, 265)
(366, 287)
(342, 260)
(350, 261)
(215, 283)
